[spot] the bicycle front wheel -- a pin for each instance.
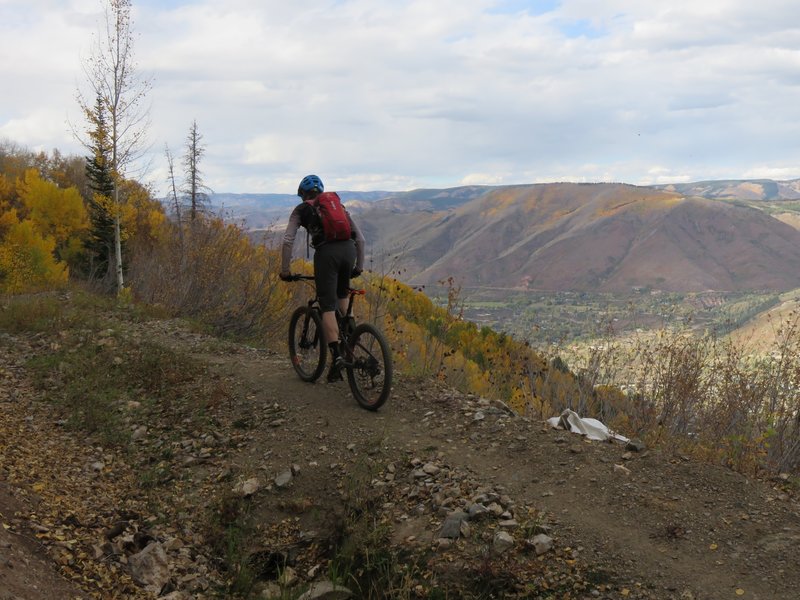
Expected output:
(370, 376)
(306, 348)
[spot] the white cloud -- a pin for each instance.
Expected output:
(482, 179)
(37, 129)
(417, 93)
(772, 172)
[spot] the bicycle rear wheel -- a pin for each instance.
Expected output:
(370, 376)
(306, 348)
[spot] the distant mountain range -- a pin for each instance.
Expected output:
(717, 235)
(264, 211)
(744, 189)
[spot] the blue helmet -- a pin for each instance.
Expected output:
(310, 183)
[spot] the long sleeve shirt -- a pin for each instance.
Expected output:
(304, 216)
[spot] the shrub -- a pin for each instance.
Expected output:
(212, 271)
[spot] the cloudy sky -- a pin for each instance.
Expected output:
(401, 94)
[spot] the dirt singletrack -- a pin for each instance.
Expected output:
(622, 524)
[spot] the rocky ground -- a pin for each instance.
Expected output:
(463, 497)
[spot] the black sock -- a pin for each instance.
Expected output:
(334, 348)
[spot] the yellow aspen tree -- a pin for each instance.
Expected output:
(8, 217)
(142, 216)
(55, 212)
(6, 191)
(27, 260)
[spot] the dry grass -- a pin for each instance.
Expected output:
(212, 272)
(708, 396)
(760, 335)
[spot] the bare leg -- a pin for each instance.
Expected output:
(330, 328)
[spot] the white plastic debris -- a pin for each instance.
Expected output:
(591, 428)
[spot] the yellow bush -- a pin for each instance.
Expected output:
(56, 213)
(27, 261)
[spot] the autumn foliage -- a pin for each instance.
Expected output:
(436, 341)
(696, 394)
(41, 228)
(211, 271)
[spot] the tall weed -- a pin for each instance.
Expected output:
(31, 313)
(49, 312)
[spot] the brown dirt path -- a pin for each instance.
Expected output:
(677, 527)
(662, 527)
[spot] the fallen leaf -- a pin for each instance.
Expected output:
(740, 592)
(713, 546)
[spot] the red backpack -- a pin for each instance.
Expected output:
(335, 222)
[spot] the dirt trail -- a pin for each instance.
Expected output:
(623, 524)
(677, 527)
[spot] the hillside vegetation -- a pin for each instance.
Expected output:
(113, 366)
(212, 271)
(143, 458)
(762, 333)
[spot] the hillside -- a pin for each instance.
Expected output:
(739, 189)
(591, 237)
(762, 333)
(705, 236)
(243, 475)
(790, 218)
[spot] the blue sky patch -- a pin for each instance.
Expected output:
(532, 7)
(580, 28)
(162, 4)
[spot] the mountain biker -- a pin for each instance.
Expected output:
(335, 262)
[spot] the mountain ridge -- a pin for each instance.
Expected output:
(610, 237)
(599, 237)
(742, 189)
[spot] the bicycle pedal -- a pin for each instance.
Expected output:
(335, 371)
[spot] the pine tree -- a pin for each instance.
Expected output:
(195, 190)
(100, 244)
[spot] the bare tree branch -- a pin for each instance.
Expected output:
(111, 74)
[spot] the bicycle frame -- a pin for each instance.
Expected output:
(343, 320)
(366, 354)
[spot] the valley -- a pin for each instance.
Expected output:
(565, 264)
(562, 318)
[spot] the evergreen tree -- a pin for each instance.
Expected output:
(112, 75)
(194, 190)
(100, 243)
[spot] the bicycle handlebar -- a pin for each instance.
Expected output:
(299, 277)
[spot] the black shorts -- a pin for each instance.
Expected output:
(333, 264)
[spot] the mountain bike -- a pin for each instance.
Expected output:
(367, 358)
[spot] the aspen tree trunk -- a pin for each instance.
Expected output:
(118, 242)
(111, 74)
